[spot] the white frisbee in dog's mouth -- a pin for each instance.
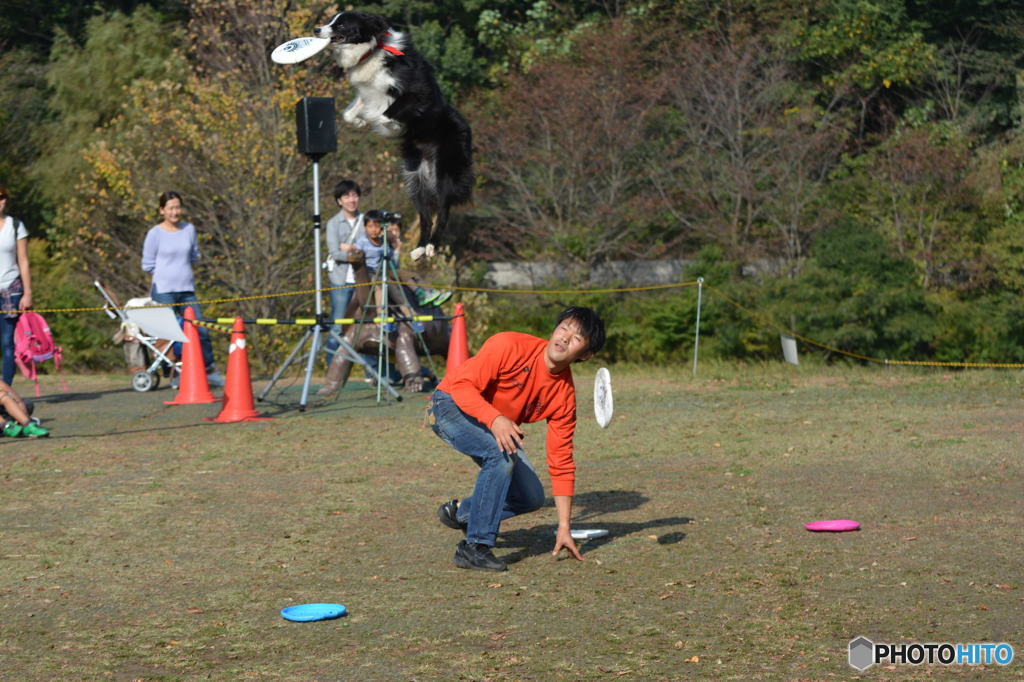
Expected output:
(298, 49)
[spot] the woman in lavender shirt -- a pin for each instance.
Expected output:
(170, 250)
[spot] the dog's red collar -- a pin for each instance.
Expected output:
(381, 46)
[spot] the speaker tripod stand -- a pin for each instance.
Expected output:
(322, 326)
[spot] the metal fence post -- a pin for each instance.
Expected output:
(696, 336)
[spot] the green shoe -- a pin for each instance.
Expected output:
(425, 296)
(13, 429)
(442, 296)
(33, 430)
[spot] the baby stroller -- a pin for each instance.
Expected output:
(147, 335)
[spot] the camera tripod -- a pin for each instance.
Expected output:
(391, 309)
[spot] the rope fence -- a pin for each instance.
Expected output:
(866, 358)
(216, 323)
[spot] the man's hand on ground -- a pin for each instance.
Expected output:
(564, 539)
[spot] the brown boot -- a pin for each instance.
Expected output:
(337, 375)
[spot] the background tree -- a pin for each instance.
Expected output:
(864, 53)
(472, 43)
(915, 188)
(857, 294)
(972, 79)
(33, 24)
(748, 150)
(225, 139)
(22, 107)
(1008, 236)
(563, 150)
(89, 84)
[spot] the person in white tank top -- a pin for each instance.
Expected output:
(15, 282)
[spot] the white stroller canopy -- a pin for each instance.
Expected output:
(156, 322)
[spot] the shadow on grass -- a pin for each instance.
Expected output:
(138, 424)
(538, 540)
(594, 503)
(128, 429)
(352, 396)
(54, 398)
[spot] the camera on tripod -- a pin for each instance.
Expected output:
(389, 217)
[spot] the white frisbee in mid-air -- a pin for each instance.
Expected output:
(298, 49)
(603, 405)
(587, 534)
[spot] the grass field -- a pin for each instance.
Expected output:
(141, 542)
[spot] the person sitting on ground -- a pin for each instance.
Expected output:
(477, 409)
(20, 422)
(372, 244)
(425, 296)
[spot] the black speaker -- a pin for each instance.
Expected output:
(314, 123)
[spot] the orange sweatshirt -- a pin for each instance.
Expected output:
(508, 376)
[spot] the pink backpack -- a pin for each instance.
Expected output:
(34, 343)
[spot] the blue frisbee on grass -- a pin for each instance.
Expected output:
(304, 613)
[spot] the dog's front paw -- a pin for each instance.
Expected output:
(389, 128)
(351, 114)
(421, 252)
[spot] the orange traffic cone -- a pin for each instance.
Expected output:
(458, 345)
(238, 405)
(194, 387)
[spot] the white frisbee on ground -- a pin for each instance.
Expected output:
(603, 405)
(298, 49)
(588, 534)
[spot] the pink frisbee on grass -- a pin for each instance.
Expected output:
(834, 526)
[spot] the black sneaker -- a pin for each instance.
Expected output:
(446, 515)
(478, 557)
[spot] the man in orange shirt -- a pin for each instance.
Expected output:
(477, 409)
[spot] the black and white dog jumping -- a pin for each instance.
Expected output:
(398, 96)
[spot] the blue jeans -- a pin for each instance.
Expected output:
(339, 304)
(506, 486)
(7, 325)
(340, 299)
(178, 299)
